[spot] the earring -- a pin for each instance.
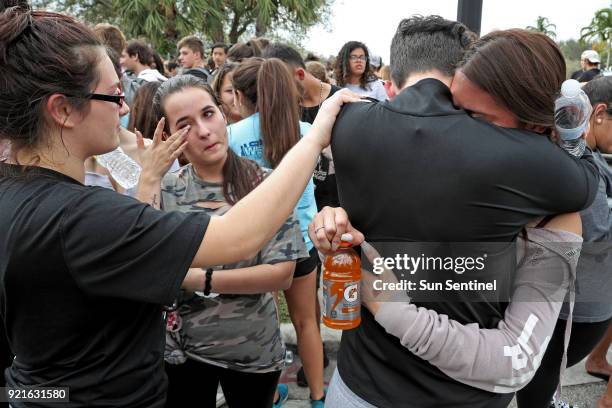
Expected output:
(598, 121)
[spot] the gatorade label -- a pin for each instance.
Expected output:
(341, 300)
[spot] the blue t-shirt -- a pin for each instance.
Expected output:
(245, 140)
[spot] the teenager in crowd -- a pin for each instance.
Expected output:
(353, 71)
(313, 93)
(224, 92)
(142, 117)
(92, 320)
(230, 339)
(137, 58)
(592, 313)
(192, 57)
(218, 54)
(267, 97)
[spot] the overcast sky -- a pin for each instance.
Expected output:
(374, 21)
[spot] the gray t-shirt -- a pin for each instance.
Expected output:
(238, 332)
(594, 272)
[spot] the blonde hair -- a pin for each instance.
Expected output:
(385, 73)
(317, 70)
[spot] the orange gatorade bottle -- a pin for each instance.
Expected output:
(341, 277)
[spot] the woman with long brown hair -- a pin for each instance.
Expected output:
(224, 91)
(353, 71)
(232, 339)
(81, 286)
(267, 96)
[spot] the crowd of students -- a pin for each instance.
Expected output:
(154, 296)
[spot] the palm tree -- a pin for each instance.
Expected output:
(544, 26)
(600, 30)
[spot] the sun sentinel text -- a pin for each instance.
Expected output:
(425, 285)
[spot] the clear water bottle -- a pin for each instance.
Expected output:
(572, 113)
(121, 167)
(288, 357)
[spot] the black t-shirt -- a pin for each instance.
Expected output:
(418, 169)
(326, 192)
(309, 114)
(85, 272)
(586, 76)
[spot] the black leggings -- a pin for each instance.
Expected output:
(197, 382)
(585, 336)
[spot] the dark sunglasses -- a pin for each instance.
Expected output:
(118, 99)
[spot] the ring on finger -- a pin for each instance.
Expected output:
(317, 229)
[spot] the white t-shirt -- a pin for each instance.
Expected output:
(375, 89)
(151, 75)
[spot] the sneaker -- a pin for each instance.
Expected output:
(561, 404)
(320, 403)
(301, 377)
(283, 395)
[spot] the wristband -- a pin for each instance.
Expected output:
(207, 282)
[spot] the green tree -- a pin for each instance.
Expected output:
(600, 30)
(543, 25)
(163, 22)
(91, 11)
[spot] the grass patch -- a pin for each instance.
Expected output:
(283, 310)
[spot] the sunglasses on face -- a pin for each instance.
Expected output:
(118, 99)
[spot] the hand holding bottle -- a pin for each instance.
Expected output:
(328, 226)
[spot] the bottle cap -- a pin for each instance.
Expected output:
(570, 88)
(346, 238)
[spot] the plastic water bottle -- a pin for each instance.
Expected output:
(121, 167)
(288, 357)
(572, 113)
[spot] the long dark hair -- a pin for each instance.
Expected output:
(342, 70)
(270, 88)
(218, 82)
(240, 175)
(142, 117)
(523, 70)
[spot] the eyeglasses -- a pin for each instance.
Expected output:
(355, 58)
(118, 99)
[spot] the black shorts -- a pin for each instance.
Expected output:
(306, 265)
